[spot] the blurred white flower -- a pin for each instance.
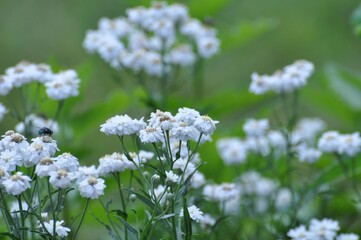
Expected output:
(36, 122)
(349, 144)
(329, 142)
(63, 85)
(232, 150)
(288, 79)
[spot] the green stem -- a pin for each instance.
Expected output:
(22, 217)
(110, 220)
(52, 207)
(82, 218)
(122, 199)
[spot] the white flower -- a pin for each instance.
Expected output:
(222, 192)
(21, 74)
(259, 145)
(187, 115)
(329, 142)
(164, 120)
(40, 148)
(197, 180)
(10, 159)
(194, 213)
(60, 179)
(67, 162)
(283, 198)
(260, 84)
(309, 155)
(184, 165)
(205, 125)
(63, 85)
(91, 187)
(114, 163)
(207, 46)
(207, 221)
(232, 150)
(4, 175)
(14, 141)
(120, 27)
(171, 177)
(299, 233)
(85, 172)
(6, 85)
(184, 132)
(253, 183)
(151, 135)
(307, 129)
(181, 55)
(36, 122)
(288, 79)
(17, 183)
(45, 167)
(256, 128)
(347, 236)
(42, 73)
(60, 230)
(122, 125)
(324, 229)
(278, 141)
(159, 194)
(153, 64)
(349, 144)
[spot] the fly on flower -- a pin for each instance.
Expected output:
(45, 131)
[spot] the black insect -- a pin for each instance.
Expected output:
(45, 131)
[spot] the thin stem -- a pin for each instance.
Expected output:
(159, 157)
(58, 110)
(174, 223)
(52, 207)
(22, 217)
(110, 220)
(122, 199)
(354, 179)
(82, 218)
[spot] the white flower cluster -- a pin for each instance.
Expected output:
(186, 125)
(334, 142)
(325, 229)
(260, 139)
(255, 192)
(35, 123)
(61, 170)
(152, 39)
(288, 79)
(59, 86)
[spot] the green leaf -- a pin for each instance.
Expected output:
(119, 213)
(9, 235)
(128, 226)
(187, 221)
(346, 85)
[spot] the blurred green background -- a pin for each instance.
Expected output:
(257, 35)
